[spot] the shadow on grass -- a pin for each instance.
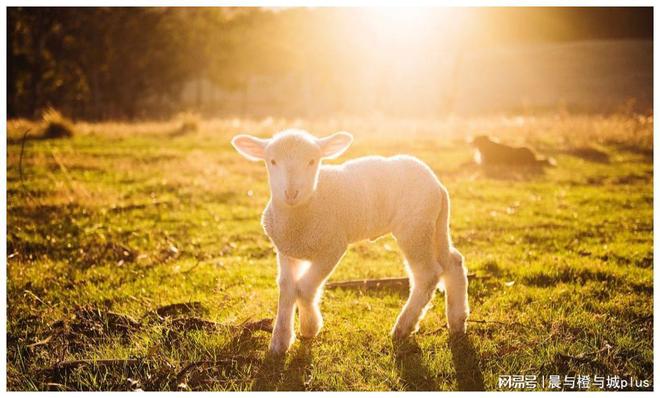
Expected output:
(411, 367)
(276, 375)
(466, 364)
(418, 377)
(515, 173)
(589, 154)
(645, 151)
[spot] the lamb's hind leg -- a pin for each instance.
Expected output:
(424, 272)
(456, 295)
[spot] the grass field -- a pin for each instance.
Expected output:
(108, 227)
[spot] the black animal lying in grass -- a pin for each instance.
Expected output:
(491, 153)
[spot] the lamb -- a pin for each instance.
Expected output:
(316, 210)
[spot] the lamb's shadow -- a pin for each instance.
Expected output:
(466, 363)
(410, 365)
(269, 373)
(275, 375)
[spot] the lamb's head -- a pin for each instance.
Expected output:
(293, 159)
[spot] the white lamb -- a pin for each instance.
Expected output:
(316, 210)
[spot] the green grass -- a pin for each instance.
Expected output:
(127, 218)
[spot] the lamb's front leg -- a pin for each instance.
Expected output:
(283, 335)
(309, 288)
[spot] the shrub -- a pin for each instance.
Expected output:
(55, 125)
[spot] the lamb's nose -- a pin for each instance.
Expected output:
(291, 194)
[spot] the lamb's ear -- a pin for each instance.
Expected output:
(334, 145)
(252, 148)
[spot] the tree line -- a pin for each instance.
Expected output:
(110, 63)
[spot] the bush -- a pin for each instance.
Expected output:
(55, 125)
(189, 122)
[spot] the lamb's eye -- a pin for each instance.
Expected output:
(311, 162)
(273, 162)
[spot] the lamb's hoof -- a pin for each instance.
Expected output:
(309, 331)
(280, 344)
(278, 349)
(400, 333)
(458, 326)
(309, 335)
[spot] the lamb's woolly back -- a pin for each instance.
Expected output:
(361, 199)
